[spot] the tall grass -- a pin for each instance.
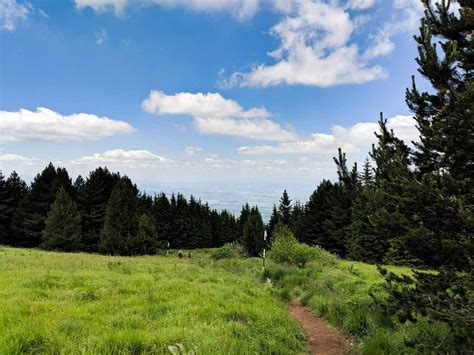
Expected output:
(343, 293)
(79, 303)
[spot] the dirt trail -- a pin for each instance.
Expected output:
(322, 340)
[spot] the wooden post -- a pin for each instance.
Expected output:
(264, 243)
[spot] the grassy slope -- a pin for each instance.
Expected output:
(340, 291)
(79, 303)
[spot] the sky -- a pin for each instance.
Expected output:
(231, 100)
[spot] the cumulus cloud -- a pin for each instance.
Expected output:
(192, 150)
(240, 9)
(360, 4)
(12, 12)
(198, 105)
(120, 157)
(47, 125)
(315, 49)
(252, 128)
(17, 159)
(214, 114)
(349, 139)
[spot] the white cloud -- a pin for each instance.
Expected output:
(360, 4)
(240, 9)
(198, 105)
(11, 13)
(406, 16)
(315, 49)
(349, 139)
(47, 125)
(192, 150)
(17, 159)
(252, 128)
(214, 114)
(120, 157)
(101, 36)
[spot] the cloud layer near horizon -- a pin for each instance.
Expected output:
(349, 139)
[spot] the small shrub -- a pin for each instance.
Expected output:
(229, 250)
(287, 250)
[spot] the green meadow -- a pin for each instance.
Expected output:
(84, 303)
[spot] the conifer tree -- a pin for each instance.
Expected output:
(121, 222)
(438, 201)
(5, 210)
(63, 225)
(252, 238)
(297, 220)
(244, 214)
(18, 192)
(92, 200)
(284, 209)
(367, 173)
(272, 223)
(145, 243)
(327, 215)
(42, 194)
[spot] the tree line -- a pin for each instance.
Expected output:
(106, 213)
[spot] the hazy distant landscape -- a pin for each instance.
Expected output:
(233, 195)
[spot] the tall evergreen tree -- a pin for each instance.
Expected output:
(162, 217)
(63, 225)
(145, 243)
(297, 220)
(18, 192)
(244, 214)
(5, 210)
(438, 202)
(252, 238)
(377, 219)
(367, 176)
(40, 198)
(272, 223)
(284, 209)
(121, 221)
(93, 197)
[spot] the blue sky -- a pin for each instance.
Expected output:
(203, 96)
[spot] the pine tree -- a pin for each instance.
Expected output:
(92, 198)
(326, 217)
(244, 214)
(18, 191)
(297, 220)
(437, 202)
(272, 223)
(5, 210)
(252, 238)
(284, 209)
(377, 219)
(121, 222)
(367, 173)
(162, 217)
(42, 194)
(63, 225)
(145, 243)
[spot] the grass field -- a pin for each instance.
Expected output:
(83, 303)
(79, 303)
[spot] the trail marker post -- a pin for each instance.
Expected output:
(264, 243)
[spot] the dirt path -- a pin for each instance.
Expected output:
(322, 340)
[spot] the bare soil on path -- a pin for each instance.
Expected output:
(322, 339)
